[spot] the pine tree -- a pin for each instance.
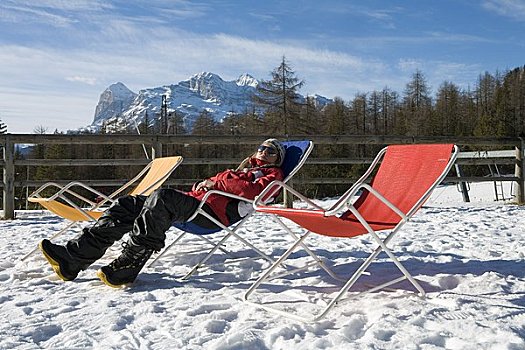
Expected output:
(510, 101)
(175, 123)
(358, 112)
(447, 109)
(485, 91)
(389, 108)
(310, 118)
(417, 105)
(280, 98)
(204, 124)
(39, 152)
(336, 117)
(253, 124)
(487, 124)
(374, 111)
(467, 114)
(231, 124)
(145, 127)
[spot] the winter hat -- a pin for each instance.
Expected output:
(280, 150)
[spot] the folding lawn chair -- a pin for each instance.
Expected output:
(404, 180)
(296, 154)
(64, 201)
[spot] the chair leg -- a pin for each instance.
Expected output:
(260, 252)
(157, 258)
(205, 259)
(361, 270)
(266, 275)
(317, 259)
(400, 266)
(272, 268)
(230, 233)
(183, 234)
(349, 283)
(382, 245)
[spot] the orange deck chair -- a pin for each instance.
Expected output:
(67, 203)
(405, 178)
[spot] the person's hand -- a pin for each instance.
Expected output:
(205, 185)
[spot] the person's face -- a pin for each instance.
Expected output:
(267, 153)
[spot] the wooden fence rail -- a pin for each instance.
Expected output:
(512, 156)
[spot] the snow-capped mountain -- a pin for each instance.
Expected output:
(113, 101)
(204, 91)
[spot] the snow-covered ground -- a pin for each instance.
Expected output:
(469, 257)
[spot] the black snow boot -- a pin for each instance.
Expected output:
(126, 267)
(65, 266)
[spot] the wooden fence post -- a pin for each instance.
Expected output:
(156, 150)
(9, 179)
(518, 172)
(462, 185)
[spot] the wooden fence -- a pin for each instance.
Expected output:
(513, 155)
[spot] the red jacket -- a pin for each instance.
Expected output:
(247, 183)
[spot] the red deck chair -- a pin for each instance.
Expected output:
(406, 177)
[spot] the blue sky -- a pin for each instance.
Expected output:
(57, 56)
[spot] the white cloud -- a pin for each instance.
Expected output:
(22, 14)
(241, 47)
(509, 8)
(56, 13)
(146, 51)
(159, 55)
(182, 9)
(409, 64)
(68, 5)
(85, 80)
(24, 109)
(436, 72)
(61, 87)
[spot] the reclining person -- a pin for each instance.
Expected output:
(147, 219)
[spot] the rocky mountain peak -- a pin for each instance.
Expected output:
(113, 101)
(189, 98)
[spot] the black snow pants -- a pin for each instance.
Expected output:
(146, 219)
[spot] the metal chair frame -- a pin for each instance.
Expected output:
(345, 203)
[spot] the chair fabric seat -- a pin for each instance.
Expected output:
(295, 150)
(421, 165)
(160, 167)
(152, 177)
(334, 226)
(191, 227)
(66, 211)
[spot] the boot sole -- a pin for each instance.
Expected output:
(54, 264)
(102, 276)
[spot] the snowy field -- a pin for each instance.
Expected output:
(469, 257)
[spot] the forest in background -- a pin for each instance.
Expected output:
(494, 106)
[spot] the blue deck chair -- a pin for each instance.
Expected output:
(296, 154)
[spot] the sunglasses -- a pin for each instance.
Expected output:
(270, 150)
